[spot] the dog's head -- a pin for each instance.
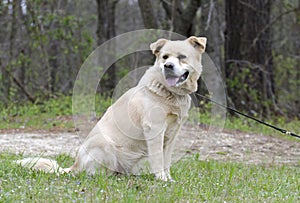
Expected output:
(180, 63)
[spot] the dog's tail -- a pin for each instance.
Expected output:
(42, 164)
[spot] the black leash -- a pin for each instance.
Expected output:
(259, 121)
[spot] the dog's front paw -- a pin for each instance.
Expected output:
(161, 176)
(167, 173)
(164, 176)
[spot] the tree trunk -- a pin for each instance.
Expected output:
(248, 55)
(12, 46)
(4, 76)
(22, 55)
(297, 102)
(148, 16)
(106, 20)
(105, 31)
(182, 17)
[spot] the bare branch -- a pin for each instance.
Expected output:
(211, 8)
(271, 23)
(247, 63)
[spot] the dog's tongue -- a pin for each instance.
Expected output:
(172, 81)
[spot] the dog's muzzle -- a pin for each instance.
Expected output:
(172, 78)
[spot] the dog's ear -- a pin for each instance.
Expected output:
(156, 46)
(198, 43)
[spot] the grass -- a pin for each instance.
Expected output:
(56, 113)
(242, 124)
(36, 116)
(196, 181)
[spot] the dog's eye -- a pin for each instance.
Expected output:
(180, 57)
(165, 57)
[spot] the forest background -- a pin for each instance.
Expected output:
(254, 43)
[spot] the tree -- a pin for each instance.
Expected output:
(148, 15)
(4, 76)
(105, 31)
(297, 48)
(179, 14)
(248, 55)
(42, 47)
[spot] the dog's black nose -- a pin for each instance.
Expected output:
(169, 65)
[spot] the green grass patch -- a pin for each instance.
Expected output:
(247, 125)
(236, 122)
(196, 181)
(55, 113)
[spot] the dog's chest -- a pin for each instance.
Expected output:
(178, 111)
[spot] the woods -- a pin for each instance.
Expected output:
(255, 44)
(248, 55)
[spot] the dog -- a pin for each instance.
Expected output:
(137, 133)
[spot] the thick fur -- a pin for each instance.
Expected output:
(137, 133)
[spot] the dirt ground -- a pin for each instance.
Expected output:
(230, 146)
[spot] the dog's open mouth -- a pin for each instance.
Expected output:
(175, 80)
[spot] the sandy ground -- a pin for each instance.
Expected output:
(233, 146)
